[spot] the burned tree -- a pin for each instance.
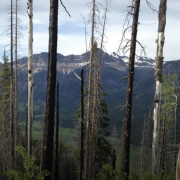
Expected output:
(94, 98)
(82, 125)
(12, 90)
(158, 78)
(17, 38)
(48, 130)
(127, 122)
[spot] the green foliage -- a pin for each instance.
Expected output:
(103, 147)
(170, 91)
(31, 170)
(4, 88)
(161, 176)
(107, 173)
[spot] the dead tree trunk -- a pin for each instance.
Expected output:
(56, 173)
(89, 103)
(158, 77)
(176, 130)
(127, 122)
(30, 74)
(163, 144)
(12, 92)
(48, 131)
(16, 86)
(178, 166)
(82, 126)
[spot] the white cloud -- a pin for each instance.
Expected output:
(71, 33)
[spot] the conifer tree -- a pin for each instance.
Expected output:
(5, 77)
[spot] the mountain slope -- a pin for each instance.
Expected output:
(114, 79)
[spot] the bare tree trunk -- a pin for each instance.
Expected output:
(16, 88)
(30, 74)
(82, 126)
(89, 104)
(127, 122)
(178, 165)
(175, 127)
(163, 144)
(56, 173)
(12, 92)
(158, 75)
(48, 133)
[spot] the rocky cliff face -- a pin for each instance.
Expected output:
(66, 64)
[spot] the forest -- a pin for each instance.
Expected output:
(92, 116)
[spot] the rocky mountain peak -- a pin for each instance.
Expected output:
(66, 64)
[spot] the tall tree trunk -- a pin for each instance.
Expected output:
(16, 87)
(30, 75)
(163, 144)
(48, 133)
(127, 122)
(176, 130)
(89, 104)
(82, 126)
(56, 171)
(158, 77)
(12, 92)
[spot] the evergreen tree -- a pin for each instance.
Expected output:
(4, 85)
(5, 77)
(103, 147)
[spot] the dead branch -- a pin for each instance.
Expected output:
(65, 8)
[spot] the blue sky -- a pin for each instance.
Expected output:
(71, 38)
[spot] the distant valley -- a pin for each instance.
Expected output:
(114, 73)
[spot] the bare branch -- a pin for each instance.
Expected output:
(65, 8)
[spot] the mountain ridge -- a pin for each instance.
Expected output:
(114, 80)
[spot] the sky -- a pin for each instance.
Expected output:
(71, 34)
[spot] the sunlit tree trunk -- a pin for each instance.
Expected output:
(158, 77)
(163, 144)
(30, 74)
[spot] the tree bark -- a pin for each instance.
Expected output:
(16, 86)
(56, 173)
(82, 126)
(30, 75)
(89, 105)
(127, 122)
(158, 77)
(48, 132)
(12, 92)
(176, 130)
(163, 144)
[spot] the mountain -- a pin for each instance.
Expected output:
(66, 64)
(114, 79)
